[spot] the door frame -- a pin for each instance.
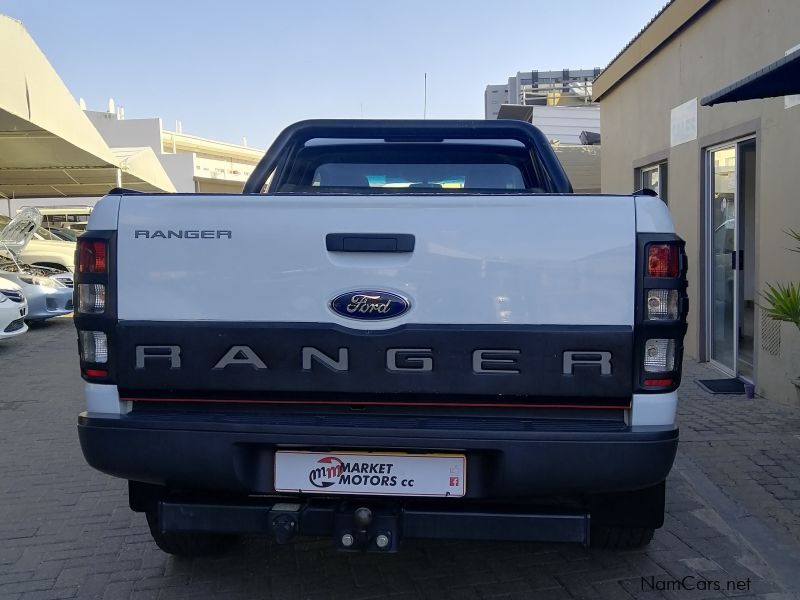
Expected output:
(708, 250)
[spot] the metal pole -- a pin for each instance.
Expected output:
(425, 103)
(119, 177)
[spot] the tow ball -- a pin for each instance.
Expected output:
(365, 530)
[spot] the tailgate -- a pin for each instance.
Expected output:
(533, 276)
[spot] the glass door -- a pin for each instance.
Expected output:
(747, 291)
(722, 247)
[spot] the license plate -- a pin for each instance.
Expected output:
(371, 473)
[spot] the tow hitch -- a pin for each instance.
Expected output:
(367, 530)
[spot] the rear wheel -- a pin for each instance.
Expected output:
(188, 544)
(626, 519)
(620, 538)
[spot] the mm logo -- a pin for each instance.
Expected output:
(328, 472)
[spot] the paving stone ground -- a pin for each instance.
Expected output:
(733, 517)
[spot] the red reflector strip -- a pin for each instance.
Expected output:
(658, 382)
(380, 403)
(95, 372)
(662, 260)
(92, 256)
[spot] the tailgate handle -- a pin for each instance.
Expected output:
(369, 242)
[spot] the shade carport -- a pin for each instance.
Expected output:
(48, 147)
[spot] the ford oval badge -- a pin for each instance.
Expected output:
(369, 305)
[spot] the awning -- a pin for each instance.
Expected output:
(48, 146)
(781, 78)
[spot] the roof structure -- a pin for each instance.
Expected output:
(47, 145)
(177, 140)
(672, 18)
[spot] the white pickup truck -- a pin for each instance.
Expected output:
(400, 329)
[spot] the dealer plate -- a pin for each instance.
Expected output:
(371, 473)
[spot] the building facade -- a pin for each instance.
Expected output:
(493, 98)
(568, 87)
(728, 172)
(194, 164)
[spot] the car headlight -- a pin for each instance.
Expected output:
(43, 281)
(3, 298)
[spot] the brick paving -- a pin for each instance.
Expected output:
(733, 515)
(749, 448)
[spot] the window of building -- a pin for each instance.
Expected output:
(655, 178)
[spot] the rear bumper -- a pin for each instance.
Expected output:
(393, 522)
(236, 456)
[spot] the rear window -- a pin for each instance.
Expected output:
(407, 167)
(431, 176)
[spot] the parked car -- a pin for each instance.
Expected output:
(42, 248)
(497, 360)
(13, 310)
(47, 296)
(48, 290)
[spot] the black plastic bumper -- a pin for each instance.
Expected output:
(340, 519)
(236, 457)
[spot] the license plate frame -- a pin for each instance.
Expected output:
(418, 475)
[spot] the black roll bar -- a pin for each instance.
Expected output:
(531, 137)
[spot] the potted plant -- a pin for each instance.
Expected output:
(782, 302)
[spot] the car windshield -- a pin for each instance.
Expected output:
(65, 234)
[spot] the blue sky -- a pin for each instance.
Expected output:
(235, 68)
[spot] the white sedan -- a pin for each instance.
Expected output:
(33, 244)
(13, 310)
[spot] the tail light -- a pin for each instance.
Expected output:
(94, 347)
(92, 256)
(662, 305)
(659, 355)
(91, 298)
(661, 312)
(95, 307)
(662, 260)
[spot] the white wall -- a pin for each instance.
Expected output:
(128, 133)
(565, 123)
(180, 168)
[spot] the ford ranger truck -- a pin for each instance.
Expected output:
(400, 329)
